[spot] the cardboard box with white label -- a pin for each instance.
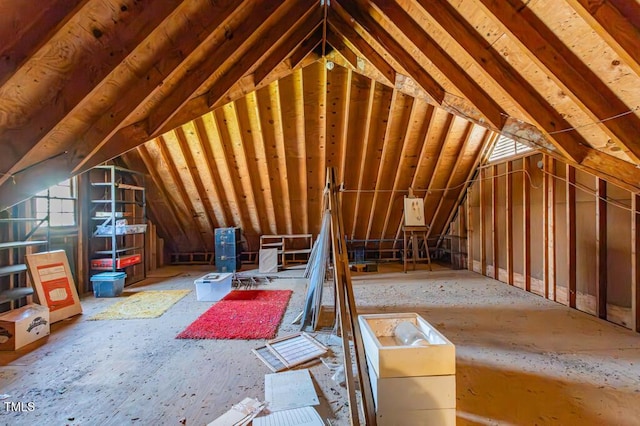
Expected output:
(22, 326)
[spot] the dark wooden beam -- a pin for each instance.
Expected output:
(305, 48)
(337, 44)
(550, 170)
(617, 22)
(584, 86)
(571, 234)
(283, 48)
(296, 13)
(477, 95)
(236, 39)
(601, 249)
(352, 14)
(340, 27)
(69, 86)
(503, 74)
(103, 131)
(25, 28)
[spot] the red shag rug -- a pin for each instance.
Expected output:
(241, 314)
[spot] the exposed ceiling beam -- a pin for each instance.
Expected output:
(235, 39)
(52, 91)
(447, 65)
(172, 44)
(593, 96)
(364, 23)
(516, 87)
(305, 48)
(345, 30)
(411, 146)
(460, 158)
(338, 45)
(157, 180)
(131, 136)
(618, 23)
(25, 29)
(365, 144)
(301, 30)
(197, 223)
(379, 182)
(202, 207)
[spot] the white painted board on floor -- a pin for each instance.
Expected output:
(305, 416)
(289, 390)
(268, 261)
(240, 414)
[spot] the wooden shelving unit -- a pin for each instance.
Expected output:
(290, 247)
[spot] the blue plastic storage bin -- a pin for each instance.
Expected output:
(108, 284)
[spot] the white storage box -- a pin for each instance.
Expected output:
(440, 417)
(388, 359)
(213, 287)
(413, 392)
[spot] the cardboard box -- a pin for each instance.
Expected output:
(21, 326)
(53, 283)
(121, 262)
(213, 287)
(389, 359)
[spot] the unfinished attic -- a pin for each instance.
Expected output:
(410, 212)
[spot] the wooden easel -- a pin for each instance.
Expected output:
(411, 242)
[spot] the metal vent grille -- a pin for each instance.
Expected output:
(505, 147)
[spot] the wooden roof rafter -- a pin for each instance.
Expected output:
(305, 48)
(593, 96)
(616, 21)
(338, 25)
(362, 22)
(42, 137)
(494, 114)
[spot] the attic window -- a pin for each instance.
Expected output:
(60, 202)
(505, 147)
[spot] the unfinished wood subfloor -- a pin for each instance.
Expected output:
(521, 359)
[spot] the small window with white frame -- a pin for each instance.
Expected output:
(59, 201)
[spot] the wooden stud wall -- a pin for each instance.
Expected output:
(562, 234)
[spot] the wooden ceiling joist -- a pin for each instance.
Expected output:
(234, 146)
(202, 208)
(337, 44)
(167, 149)
(288, 43)
(363, 22)
(482, 100)
(24, 30)
(53, 99)
(617, 22)
(580, 82)
(413, 141)
(338, 25)
(305, 48)
(256, 152)
(293, 116)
